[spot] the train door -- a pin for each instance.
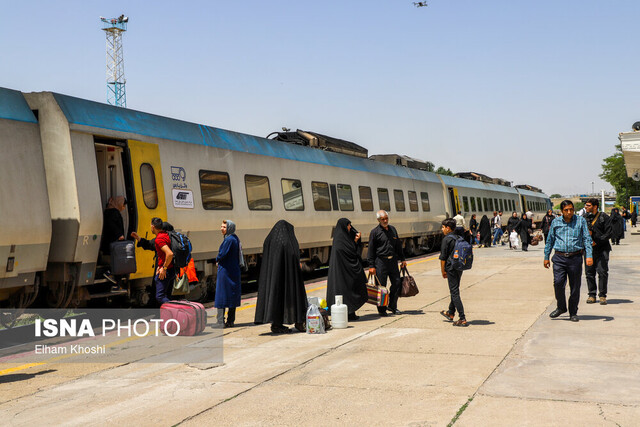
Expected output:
(149, 199)
(524, 203)
(454, 200)
(114, 177)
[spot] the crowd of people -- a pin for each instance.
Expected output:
(282, 298)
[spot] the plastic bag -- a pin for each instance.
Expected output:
(315, 323)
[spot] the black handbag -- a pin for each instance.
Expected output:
(409, 287)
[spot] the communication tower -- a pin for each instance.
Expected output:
(113, 28)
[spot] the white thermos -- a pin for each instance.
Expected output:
(339, 319)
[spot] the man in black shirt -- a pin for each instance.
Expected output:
(452, 275)
(385, 249)
(599, 225)
(546, 223)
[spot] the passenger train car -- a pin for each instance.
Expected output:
(67, 156)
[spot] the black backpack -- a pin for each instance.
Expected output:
(181, 248)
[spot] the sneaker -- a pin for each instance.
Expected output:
(591, 300)
(110, 277)
(603, 300)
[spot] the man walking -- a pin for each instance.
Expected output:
(599, 225)
(546, 223)
(569, 238)
(385, 250)
(496, 227)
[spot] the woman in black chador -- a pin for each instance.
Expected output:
(485, 232)
(523, 228)
(282, 299)
(617, 226)
(346, 275)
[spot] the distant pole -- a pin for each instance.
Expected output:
(593, 191)
(603, 205)
(113, 28)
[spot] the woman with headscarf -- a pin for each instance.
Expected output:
(512, 224)
(485, 232)
(228, 288)
(282, 298)
(634, 217)
(617, 226)
(346, 275)
(523, 228)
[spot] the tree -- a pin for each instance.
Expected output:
(442, 171)
(555, 196)
(615, 173)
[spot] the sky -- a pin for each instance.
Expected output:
(532, 92)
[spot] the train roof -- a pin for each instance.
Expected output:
(530, 193)
(85, 113)
(469, 183)
(13, 106)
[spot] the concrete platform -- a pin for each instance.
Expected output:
(512, 366)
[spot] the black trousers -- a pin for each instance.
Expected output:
(453, 278)
(567, 268)
(388, 268)
(231, 315)
(601, 267)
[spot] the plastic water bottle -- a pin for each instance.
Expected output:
(339, 319)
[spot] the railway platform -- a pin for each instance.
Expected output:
(512, 365)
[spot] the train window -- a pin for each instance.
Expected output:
(366, 199)
(321, 198)
(486, 204)
(292, 194)
(424, 197)
(149, 189)
(495, 204)
(215, 190)
(473, 204)
(513, 205)
(490, 204)
(501, 205)
(465, 203)
(413, 201)
(383, 199)
(398, 196)
(345, 197)
(258, 192)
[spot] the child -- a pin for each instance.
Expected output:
(513, 238)
(452, 275)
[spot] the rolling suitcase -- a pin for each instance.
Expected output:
(190, 315)
(123, 257)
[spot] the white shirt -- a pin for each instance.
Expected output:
(459, 220)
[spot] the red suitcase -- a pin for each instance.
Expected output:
(191, 317)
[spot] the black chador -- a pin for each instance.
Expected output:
(485, 231)
(282, 298)
(346, 275)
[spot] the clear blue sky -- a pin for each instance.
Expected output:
(534, 92)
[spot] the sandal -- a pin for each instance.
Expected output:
(448, 315)
(460, 322)
(280, 329)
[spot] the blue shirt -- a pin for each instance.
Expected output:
(568, 236)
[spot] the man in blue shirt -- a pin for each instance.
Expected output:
(569, 238)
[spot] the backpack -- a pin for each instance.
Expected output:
(462, 256)
(181, 248)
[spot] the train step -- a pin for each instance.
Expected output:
(109, 294)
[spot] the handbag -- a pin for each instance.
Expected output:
(409, 287)
(377, 295)
(181, 285)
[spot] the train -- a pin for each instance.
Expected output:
(63, 158)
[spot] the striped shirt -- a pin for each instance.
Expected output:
(568, 236)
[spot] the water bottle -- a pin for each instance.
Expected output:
(339, 314)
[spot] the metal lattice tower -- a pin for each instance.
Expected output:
(113, 28)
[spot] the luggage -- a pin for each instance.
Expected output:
(181, 248)
(315, 320)
(181, 285)
(123, 257)
(462, 256)
(378, 295)
(190, 315)
(409, 287)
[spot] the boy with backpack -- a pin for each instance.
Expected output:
(165, 273)
(455, 256)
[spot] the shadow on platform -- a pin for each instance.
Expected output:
(11, 378)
